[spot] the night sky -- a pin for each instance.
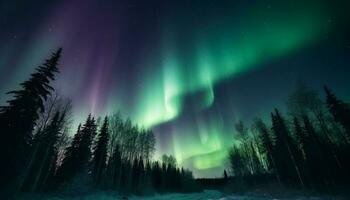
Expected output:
(187, 69)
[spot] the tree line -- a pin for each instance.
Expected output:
(307, 148)
(39, 155)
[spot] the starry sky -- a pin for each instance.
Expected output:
(187, 69)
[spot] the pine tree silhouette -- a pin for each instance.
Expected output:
(17, 121)
(77, 155)
(299, 134)
(339, 110)
(313, 154)
(99, 158)
(285, 150)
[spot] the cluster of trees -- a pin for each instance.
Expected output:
(109, 154)
(310, 148)
(117, 157)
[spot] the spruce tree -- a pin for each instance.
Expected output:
(99, 158)
(339, 110)
(84, 148)
(299, 134)
(66, 170)
(313, 154)
(78, 154)
(288, 162)
(17, 121)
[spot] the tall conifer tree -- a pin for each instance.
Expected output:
(17, 121)
(78, 154)
(100, 153)
(339, 110)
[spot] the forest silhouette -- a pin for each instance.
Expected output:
(109, 154)
(308, 148)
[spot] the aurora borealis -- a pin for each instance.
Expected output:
(187, 69)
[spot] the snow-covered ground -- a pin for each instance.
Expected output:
(206, 195)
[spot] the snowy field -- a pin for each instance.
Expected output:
(206, 195)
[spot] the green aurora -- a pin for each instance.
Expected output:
(194, 50)
(216, 52)
(219, 51)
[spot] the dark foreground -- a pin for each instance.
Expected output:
(207, 194)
